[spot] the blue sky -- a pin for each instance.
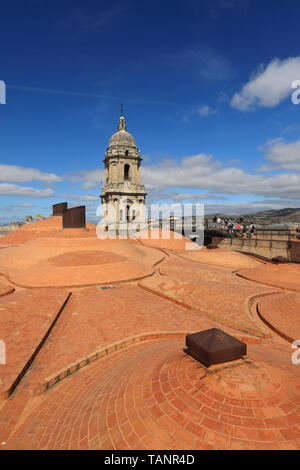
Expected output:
(206, 90)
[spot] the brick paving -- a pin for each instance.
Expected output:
(58, 260)
(165, 239)
(144, 392)
(220, 257)
(25, 319)
(95, 318)
(35, 230)
(5, 290)
(154, 396)
(285, 276)
(282, 313)
(177, 266)
(221, 302)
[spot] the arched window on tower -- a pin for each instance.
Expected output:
(126, 153)
(126, 172)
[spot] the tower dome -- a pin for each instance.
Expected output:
(122, 137)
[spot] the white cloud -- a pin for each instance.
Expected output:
(244, 207)
(7, 189)
(19, 174)
(80, 197)
(233, 161)
(285, 156)
(269, 86)
(205, 111)
(204, 172)
(177, 197)
(25, 204)
(92, 178)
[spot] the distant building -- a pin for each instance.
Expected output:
(5, 229)
(123, 196)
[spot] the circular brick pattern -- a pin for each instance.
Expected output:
(282, 314)
(86, 258)
(153, 396)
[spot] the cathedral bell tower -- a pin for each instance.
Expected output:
(123, 196)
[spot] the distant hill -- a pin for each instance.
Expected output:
(262, 218)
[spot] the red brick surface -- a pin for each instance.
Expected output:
(35, 230)
(5, 290)
(25, 318)
(153, 396)
(286, 276)
(222, 302)
(282, 313)
(219, 257)
(96, 318)
(58, 260)
(113, 365)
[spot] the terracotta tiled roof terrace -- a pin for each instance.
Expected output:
(105, 368)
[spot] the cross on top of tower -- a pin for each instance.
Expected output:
(122, 123)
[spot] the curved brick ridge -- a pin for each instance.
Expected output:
(96, 319)
(39, 263)
(223, 303)
(35, 230)
(105, 351)
(285, 276)
(282, 314)
(102, 352)
(176, 266)
(26, 318)
(153, 396)
(165, 239)
(219, 257)
(5, 290)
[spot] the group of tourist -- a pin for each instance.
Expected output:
(238, 228)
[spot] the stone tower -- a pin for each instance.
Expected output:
(123, 196)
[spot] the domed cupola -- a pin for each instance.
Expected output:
(122, 142)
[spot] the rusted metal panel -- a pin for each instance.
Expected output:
(74, 217)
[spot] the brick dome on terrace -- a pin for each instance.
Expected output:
(76, 257)
(35, 230)
(153, 396)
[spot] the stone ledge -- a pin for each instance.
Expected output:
(48, 382)
(53, 379)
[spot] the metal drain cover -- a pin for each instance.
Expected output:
(214, 346)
